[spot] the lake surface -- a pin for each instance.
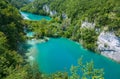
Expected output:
(34, 17)
(60, 53)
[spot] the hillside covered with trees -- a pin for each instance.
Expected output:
(12, 62)
(103, 13)
(19, 3)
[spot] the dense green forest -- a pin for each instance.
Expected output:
(19, 3)
(103, 13)
(12, 61)
(11, 24)
(11, 34)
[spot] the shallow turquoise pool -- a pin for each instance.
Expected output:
(34, 17)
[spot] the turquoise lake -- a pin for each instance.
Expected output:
(34, 17)
(58, 54)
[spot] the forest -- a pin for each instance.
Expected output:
(104, 13)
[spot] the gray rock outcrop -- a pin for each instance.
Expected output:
(47, 9)
(86, 24)
(109, 45)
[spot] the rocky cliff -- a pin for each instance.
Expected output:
(109, 45)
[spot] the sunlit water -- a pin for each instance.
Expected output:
(60, 53)
(34, 17)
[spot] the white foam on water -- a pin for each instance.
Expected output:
(25, 16)
(31, 58)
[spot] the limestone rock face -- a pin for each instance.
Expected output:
(47, 9)
(86, 24)
(52, 13)
(109, 45)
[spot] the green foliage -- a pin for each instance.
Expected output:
(87, 70)
(55, 28)
(3, 41)
(35, 7)
(9, 60)
(11, 24)
(11, 33)
(81, 71)
(104, 13)
(89, 38)
(19, 3)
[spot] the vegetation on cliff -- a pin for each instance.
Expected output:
(12, 62)
(103, 13)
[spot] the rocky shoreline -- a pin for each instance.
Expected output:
(109, 45)
(31, 51)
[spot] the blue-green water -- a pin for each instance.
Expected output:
(34, 17)
(30, 34)
(59, 54)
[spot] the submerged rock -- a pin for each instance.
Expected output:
(109, 45)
